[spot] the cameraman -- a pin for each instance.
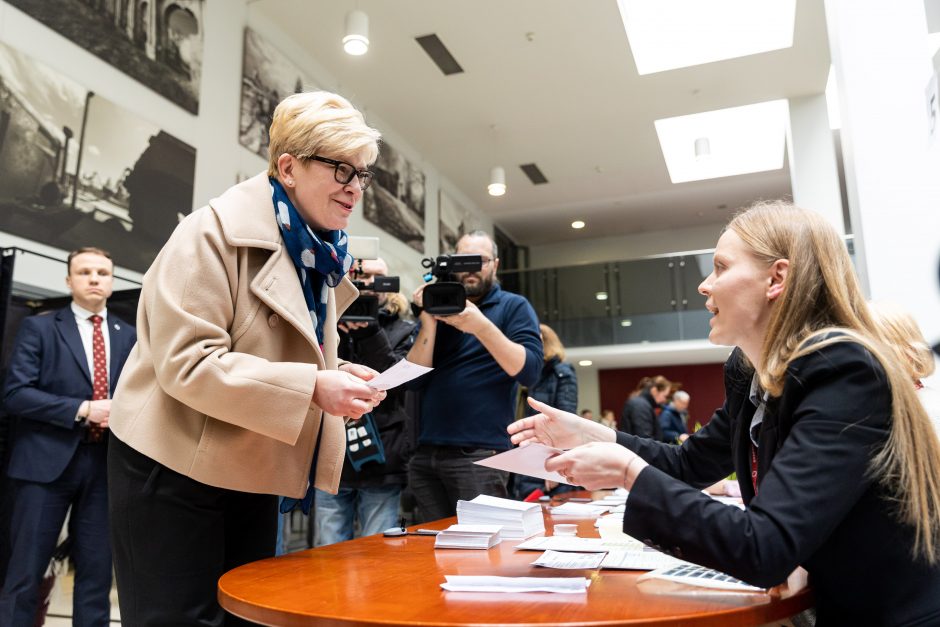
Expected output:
(478, 355)
(372, 494)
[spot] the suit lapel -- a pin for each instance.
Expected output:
(68, 329)
(117, 334)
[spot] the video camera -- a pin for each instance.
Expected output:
(446, 296)
(366, 307)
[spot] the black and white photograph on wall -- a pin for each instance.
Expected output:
(395, 200)
(156, 42)
(455, 220)
(78, 170)
(268, 77)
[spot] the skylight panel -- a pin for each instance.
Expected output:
(741, 140)
(670, 34)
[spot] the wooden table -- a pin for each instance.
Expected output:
(396, 581)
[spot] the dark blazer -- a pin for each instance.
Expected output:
(639, 417)
(817, 505)
(672, 424)
(47, 380)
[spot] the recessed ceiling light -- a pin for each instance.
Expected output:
(669, 34)
(626, 322)
(601, 296)
(577, 224)
(741, 139)
(585, 362)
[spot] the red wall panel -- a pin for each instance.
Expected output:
(703, 382)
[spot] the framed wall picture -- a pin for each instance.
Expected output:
(156, 42)
(455, 220)
(396, 199)
(268, 76)
(78, 170)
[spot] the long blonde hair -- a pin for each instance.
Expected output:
(901, 333)
(552, 346)
(821, 296)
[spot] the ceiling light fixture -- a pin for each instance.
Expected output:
(497, 186)
(356, 41)
(702, 148)
(577, 224)
(626, 322)
(585, 362)
(601, 296)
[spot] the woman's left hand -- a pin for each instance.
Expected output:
(598, 465)
(365, 373)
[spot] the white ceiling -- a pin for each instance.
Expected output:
(557, 80)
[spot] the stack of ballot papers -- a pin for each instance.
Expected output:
(517, 518)
(471, 583)
(468, 537)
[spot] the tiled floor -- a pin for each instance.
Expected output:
(60, 605)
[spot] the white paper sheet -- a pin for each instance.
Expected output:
(582, 510)
(526, 460)
(471, 583)
(576, 544)
(558, 559)
(402, 372)
(645, 559)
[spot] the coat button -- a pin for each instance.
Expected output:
(273, 319)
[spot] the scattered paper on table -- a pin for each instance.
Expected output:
(584, 510)
(566, 560)
(646, 559)
(526, 460)
(471, 583)
(402, 372)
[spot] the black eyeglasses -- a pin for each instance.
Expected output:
(344, 172)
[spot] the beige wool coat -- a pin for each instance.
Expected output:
(219, 385)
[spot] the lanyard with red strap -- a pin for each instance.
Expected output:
(754, 468)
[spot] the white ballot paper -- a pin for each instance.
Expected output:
(557, 559)
(526, 460)
(402, 372)
(582, 510)
(471, 583)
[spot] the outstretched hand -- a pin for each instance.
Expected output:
(598, 465)
(557, 428)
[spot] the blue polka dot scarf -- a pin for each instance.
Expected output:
(321, 264)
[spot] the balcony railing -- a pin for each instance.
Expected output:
(654, 299)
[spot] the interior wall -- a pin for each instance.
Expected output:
(220, 159)
(632, 246)
(703, 382)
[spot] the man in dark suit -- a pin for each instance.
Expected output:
(63, 369)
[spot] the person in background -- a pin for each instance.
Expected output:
(674, 418)
(557, 386)
(234, 393)
(608, 418)
(903, 335)
(639, 412)
(368, 496)
(479, 356)
(63, 369)
(837, 461)
(587, 413)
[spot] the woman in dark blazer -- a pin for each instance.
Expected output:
(836, 458)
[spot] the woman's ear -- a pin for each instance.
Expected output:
(285, 169)
(778, 279)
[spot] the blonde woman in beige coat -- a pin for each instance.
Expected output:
(233, 394)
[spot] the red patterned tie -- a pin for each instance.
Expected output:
(100, 377)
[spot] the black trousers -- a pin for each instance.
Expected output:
(173, 537)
